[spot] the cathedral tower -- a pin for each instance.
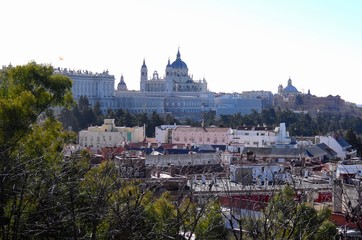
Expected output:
(144, 77)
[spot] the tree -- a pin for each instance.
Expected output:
(209, 117)
(26, 92)
(211, 225)
(84, 113)
(268, 116)
(98, 185)
(120, 117)
(155, 120)
(170, 120)
(286, 218)
(129, 120)
(98, 113)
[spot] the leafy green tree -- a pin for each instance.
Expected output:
(129, 120)
(169, 120)
(120, 117)
(155, 120)
(141, 119)
(84, 113)
(236, 120)
(286, 218)
(192, 123)
(164, 215)
(98, 185)
(98, 113)
(268, 116)
(211, 225)
(209, 118)
(127, 216)
(68, 119)
(110, 114)
(225, 121)
(26, 92)
(253, 119)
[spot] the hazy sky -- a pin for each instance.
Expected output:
(236, 45)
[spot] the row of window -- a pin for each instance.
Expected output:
(98, 138)
(184, 104)
(92, 88)
(200, 139)
(257, 134)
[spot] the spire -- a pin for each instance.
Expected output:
(168, 62)
(122, 86)
(178, 53)
(144, 63)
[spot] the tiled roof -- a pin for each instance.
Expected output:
(252, 128)
(216, 129)
(190, 129)
(330, 152)
(342, 142)
(311, 151)
(200, 129)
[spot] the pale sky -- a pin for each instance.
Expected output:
(237, 45)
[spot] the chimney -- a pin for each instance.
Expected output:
(337, 195)
(172, 170)
(158, 172)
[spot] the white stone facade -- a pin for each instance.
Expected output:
(109, 135)
(95, 86)
(176, 92)
(177, 79)
(260, 136)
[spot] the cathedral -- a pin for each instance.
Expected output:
(177, 79)
(289, 90)
(176, 93)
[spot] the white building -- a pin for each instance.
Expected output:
(260, 136)
(338, 144)
(257, 173)
(234, 138)
(177, 79)
(109, 135)
(95, 86)
(176, 92)
(232, 103)
(163, 133)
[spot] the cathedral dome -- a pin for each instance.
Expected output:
(122, 86)
(178, 63)
(290, 88)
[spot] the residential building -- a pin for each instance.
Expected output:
(109, 135)
(338, 144)
(163, 133)
(201, 135)
(260, 136)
